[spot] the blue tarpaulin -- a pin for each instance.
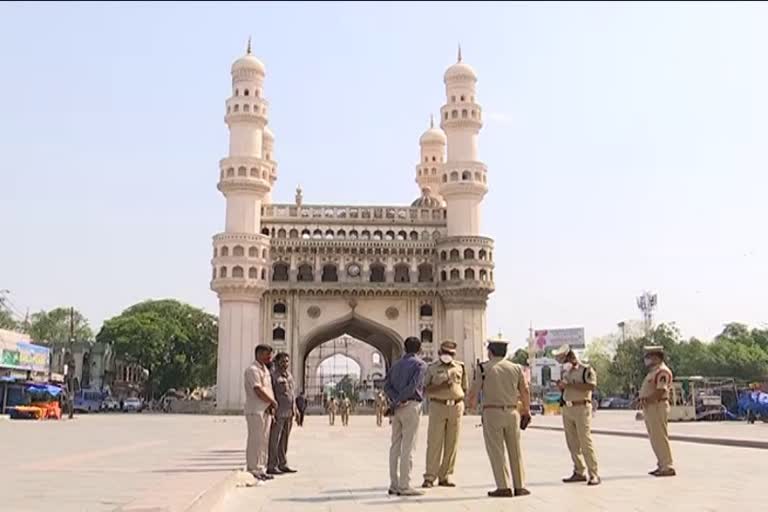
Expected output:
(40, 388)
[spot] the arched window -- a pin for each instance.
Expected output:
(278, 334)
(223, 272)
(434, 171)
(389, 235)
(462, 97)
(469, 254)
(425, 273)
(280, 271)
(454, 176)
(254, 172)
(469, 274)
(237, 92)
(281, 233)
(330, 274)
(414, 235)
(443, 255)
(305, 234)
(353, 235)
(426, 336)
(246, 108)
(245, 92)
(253, 252)
(329, 234)
(453, 99)
(376, 358)
(445, 178)
(478, 177)
(402, 273)
(305, 273)
(225, 251)
(483, 275)
(482, 255)
(236, 108)
(279, 308)
(443, 275)
(265, 231)
(454, 254)
(242, 171)
(402, 235)
(377, 273)
(365, 235)
(425, 311)
(466, 175)
(455, 275)
(464, 113)
(341, 234)
(237, 271)
(317, 234)
(263, 274)
(454, 114)
(434, 159)
(378, 235)
(294, 233)
(253, 273)
(230, 172)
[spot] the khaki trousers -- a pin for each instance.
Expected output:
(443, 439)
(345, 418)
(405, 427)
(655, 415)
(331, 417)
(502, 427)
(577, 422)
(257, 445)
(278, 442)
(379, 416)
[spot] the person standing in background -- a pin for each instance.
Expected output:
(301, 408)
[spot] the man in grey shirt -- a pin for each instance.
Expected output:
(285, 396)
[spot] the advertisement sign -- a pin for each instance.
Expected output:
(553, 338)
(22, 355)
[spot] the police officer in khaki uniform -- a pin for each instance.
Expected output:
(345, 406)
(381, 406)
(446, 383)
(332, 406)
(654, 399)
(506, 402)
(577, 383)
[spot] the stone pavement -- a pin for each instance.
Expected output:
(108, 462)
(345, 470)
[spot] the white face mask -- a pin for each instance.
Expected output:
(567, 367)
(648, 361)
(446, 358)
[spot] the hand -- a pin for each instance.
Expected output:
(525, 420)
(561, 385)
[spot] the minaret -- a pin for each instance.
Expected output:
(428, 169)
(464, 256)
(241, 253)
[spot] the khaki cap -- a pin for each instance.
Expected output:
(561, 352)
(654, 349)
(449, 347)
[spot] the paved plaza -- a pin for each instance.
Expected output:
(142, 463)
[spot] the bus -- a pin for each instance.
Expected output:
(88, 400)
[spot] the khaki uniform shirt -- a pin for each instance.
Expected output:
(581, 374)
(285, 394)
(659, 377)
(345, 405)
(503, 382)
(257, 375)
(332, 405)
(453, 372)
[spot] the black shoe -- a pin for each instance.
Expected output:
(522, 492)
(392, 492)
(446, 483)
(654, 472)
(264, 477)
(274, 471)
(428, 484)
(286, 469)
(665, 472)
(500, 493)
(575, 478)
(594, 480)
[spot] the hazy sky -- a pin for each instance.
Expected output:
(627, 145)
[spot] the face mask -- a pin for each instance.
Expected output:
(446, 358)
(567, 367)
(648, 361)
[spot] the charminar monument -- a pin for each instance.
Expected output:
(297, 275)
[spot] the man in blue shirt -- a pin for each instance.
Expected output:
(405, 389)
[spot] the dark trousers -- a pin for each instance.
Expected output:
(278, 442)
(300, 419)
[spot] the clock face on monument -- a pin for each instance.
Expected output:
(353, 270)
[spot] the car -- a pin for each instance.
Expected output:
(615, 402)
(110, 404)
(132, 404)
(537, 408)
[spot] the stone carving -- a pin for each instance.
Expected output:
(313, 312)
(392, 313)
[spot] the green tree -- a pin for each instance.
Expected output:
(598, 356)
(6, 320)
(54, 326)
(175, 342)
(520, 357)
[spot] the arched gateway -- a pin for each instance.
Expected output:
(296, 275)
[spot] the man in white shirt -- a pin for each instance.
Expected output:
(260, 404)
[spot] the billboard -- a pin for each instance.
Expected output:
(22, 355)
(552, 338)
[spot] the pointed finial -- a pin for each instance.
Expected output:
(431, 121)
(248, 48)
(459, 53)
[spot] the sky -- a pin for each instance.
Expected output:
(626, 145)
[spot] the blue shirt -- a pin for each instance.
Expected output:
(405, 380)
